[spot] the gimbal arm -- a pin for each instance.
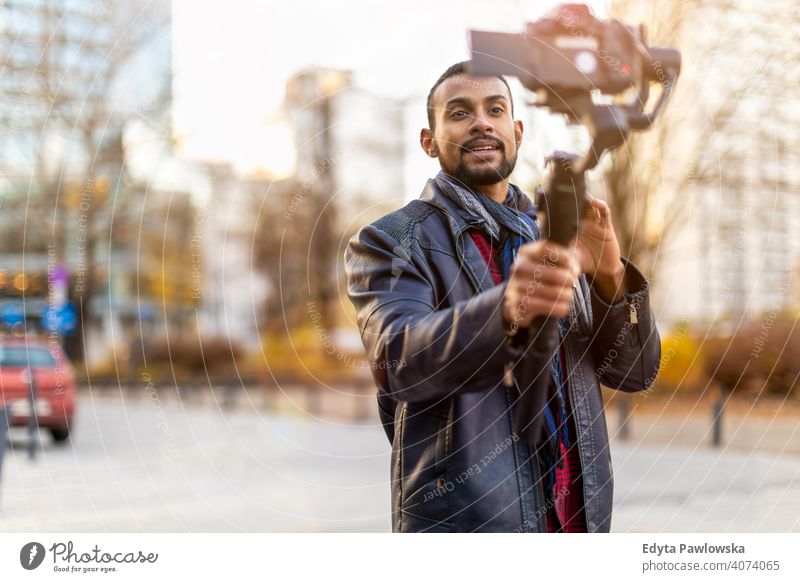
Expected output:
(561, 207)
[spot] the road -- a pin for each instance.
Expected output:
(147, 465)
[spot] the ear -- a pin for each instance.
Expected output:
(518, 132)
(427, 143)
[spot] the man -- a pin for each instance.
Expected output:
(444, 287)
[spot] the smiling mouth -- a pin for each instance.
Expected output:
(483, 152)
(482, 149)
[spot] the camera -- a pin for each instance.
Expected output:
(569, 54)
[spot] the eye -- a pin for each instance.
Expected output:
(496, 109)
(458, 114)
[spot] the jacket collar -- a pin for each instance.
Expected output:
(460, 220)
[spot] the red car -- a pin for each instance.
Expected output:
(53, 378)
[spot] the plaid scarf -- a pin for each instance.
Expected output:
(510, 228)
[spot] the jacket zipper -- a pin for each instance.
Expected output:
(634, 322)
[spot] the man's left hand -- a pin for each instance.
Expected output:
(599, 252)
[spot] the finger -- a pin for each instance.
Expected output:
(558, 309)
(538, 307)
(551, 289)
(551, 294)
(545, 252)
(589, 220)
(575, 267)
(602, 208)
(588, 209)
(539, 302)
(525, 270)
(596, 210)
(542, 247)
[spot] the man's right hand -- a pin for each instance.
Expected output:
(540, 283)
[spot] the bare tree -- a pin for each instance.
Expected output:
(295, 248)
(651, 182)
(61, 74)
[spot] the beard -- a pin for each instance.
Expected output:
(484, 174)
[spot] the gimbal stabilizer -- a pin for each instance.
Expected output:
(564, 58)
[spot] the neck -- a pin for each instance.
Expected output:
(497, 191)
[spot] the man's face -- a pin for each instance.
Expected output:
(475, 136)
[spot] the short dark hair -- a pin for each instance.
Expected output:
(452, 71)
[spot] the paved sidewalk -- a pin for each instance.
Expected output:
(157, 466)
(151, 465)
(668, 477)
(676, 488)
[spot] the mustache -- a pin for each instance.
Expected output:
(469, 144)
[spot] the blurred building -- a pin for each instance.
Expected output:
(726, 159)
(350, 142)
(231, 288)
(349, 170)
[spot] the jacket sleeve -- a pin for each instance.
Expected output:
(417, 352)
(625, 341)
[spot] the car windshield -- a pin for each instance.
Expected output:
(21, 357)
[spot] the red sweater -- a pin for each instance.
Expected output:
(567, 514)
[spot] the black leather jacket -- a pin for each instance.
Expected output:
(430, 318)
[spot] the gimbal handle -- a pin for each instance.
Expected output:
(561, 206)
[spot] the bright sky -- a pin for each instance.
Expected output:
(232, 60)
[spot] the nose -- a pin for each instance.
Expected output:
(480, 124)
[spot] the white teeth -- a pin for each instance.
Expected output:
(483, 148)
